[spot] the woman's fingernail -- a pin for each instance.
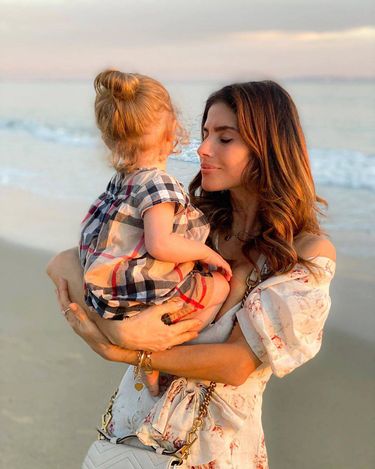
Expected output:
(73, 307)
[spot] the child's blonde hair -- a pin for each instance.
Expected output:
(127, 105)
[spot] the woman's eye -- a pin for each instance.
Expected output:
(226, 140)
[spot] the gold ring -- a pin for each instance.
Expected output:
(66, 310)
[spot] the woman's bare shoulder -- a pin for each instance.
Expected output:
(312, 245)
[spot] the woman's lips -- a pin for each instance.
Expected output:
(206, 168)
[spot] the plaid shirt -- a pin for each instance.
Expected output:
(119, 273)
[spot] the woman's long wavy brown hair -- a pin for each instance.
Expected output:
(278, 171)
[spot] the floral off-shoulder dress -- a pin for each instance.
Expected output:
(282, 320)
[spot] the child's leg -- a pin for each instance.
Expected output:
(204, 299)
(208, 291)
(151, 380)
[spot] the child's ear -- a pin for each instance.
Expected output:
(171, 130)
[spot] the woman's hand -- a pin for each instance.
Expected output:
(145, 331)
(87, 329)
(213, 362)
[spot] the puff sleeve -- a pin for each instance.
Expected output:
(283, 318)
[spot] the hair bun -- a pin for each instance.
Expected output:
(119, 85)
(130, 85)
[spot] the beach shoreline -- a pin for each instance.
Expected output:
(54, 388)
(53, 222)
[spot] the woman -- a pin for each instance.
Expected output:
(256, 189)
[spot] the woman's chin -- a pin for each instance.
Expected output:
(210, 186)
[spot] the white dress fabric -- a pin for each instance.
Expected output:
(282, 320)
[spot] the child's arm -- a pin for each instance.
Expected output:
(165, 245)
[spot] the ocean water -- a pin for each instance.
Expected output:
(52, 162)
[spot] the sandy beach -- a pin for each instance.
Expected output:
(53, 388)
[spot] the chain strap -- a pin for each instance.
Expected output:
(192, 435)
(252, 281)
(250, 285)
(107, 416)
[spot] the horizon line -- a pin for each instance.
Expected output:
(322, 77)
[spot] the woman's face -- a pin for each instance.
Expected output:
(223, 154)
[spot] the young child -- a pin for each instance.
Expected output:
(141, 238)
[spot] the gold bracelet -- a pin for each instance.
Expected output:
(146, 363)
(143, 363)
(138, 373)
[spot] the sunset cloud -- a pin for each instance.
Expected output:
(187, 39)
(363, 33)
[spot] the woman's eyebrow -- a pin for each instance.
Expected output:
(220, 128)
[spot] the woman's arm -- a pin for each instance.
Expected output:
(231, 362)
(145, 331)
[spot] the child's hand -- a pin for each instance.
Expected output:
(213, 258)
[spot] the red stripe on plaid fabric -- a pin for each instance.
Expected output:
(92, 251)
(113, 280)
(130, 186)
(92, 210)
(188, 300)
(123, 258)
(106, 255)
(179, 273)
(204, 289)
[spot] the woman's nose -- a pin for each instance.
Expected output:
(204, 149)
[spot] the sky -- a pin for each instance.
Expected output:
(187, 39)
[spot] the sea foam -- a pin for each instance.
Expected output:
(336, 167)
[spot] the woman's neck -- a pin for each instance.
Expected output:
(245, 210)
